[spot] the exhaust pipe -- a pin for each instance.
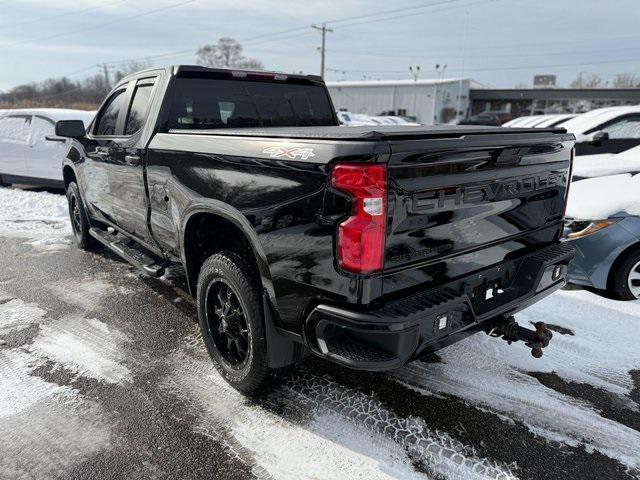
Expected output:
(509, 330)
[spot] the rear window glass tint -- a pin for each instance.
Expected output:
(202, 103)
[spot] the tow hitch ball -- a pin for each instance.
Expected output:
(536, 339)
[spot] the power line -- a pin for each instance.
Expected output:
(53, 17)
(299, 31)
(500, 69)
(104, 24)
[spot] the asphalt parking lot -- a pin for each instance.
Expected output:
(104, 375)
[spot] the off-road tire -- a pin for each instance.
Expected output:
(620, 276)
(79, 219)
(230, 268)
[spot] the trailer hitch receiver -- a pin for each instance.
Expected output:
(509, 330)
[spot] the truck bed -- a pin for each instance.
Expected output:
(368, 133)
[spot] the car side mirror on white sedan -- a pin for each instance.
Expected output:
(599, 137)
(70, 128)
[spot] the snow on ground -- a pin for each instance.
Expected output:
(41, 217)
(345, 433)
(15, 314)
(86, 346)
(599, 198)
(493, 375)
(45, 428)
(86, 293)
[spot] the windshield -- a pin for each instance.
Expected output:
(209, 103)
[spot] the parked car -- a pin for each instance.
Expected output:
(348, 119)
(555, 120)
(485, 118)
(381, 259)
(605, 164)
(540, 121)
(604, 227)
(30, 151)
(394, 120)
(606, 130)
(491, 118)
(517, 122)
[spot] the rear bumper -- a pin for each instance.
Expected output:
(401, 330)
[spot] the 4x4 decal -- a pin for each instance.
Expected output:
(289, 152)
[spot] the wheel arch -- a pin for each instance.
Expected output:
(217, 214)
(634, 247)
(68, 175)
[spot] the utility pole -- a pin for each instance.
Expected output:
(439, 75)
(105, 69)
(415, 72)
(323, 29)
(464, 48)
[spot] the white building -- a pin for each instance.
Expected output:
(428, 101)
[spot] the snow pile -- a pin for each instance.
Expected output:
(599, 198)
(40, 216)
(590, 166)
(493, 375)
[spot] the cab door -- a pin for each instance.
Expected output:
(14, 137)
(129, 203)
(46, 150)
(101, 148)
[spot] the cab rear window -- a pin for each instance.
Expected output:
(204, 103)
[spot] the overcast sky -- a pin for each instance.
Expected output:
(507, 41)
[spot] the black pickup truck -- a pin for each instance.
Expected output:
(368, 246)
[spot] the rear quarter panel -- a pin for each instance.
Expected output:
(234, 177)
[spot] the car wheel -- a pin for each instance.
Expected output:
(231, 321)
(79, 219)
(2, 183)
(626, 277)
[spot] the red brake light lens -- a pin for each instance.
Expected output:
(360, 244)
(569, 179)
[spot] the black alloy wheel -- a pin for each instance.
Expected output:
(227, 323)
(232, 322)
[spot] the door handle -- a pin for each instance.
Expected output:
(101, 153)
(132, 159)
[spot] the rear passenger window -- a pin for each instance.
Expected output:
(106, 124)
(15, 129)
(139, 107)
(626, 127)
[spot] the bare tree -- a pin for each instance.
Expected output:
(227, 53)
(625, 80)
(587, 81)
(131, 67)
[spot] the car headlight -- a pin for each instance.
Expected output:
(582, 229)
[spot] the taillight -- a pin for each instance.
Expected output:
(569, 179)
(360, 244)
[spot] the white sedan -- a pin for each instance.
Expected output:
(30, 152)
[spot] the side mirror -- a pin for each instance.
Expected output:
(70, 128)
(599, 137)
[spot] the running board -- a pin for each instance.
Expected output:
(132, 255)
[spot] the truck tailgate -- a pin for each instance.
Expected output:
(458, 205)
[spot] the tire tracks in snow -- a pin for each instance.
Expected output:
(313, 427)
